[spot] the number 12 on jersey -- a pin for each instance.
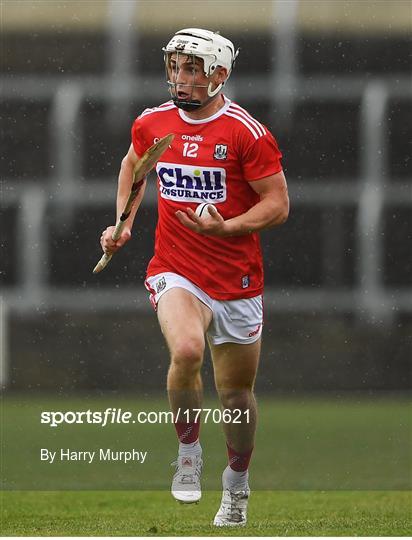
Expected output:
(190, 149)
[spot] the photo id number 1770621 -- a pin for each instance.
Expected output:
(217, 416)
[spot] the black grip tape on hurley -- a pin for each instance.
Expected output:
(135, 190)
(138, 185)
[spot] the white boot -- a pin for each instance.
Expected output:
(186, 481)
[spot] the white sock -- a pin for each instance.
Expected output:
(234, 479)
(188, 449)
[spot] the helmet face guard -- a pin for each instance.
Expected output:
(195, 43)
(188, 103)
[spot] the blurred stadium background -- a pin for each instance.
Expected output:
(332, 79)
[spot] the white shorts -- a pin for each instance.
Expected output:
(235, 321)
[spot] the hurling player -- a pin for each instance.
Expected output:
(206, 276)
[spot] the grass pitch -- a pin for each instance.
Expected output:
(153, 513)
(301, 445)
(321, 467)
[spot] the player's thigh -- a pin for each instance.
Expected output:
(235, 365)
(183, 319)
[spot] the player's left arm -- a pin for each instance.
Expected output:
(271, 210)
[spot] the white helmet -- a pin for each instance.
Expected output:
(215, 49)
(212, 48)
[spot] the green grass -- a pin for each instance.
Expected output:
(321, 467)
(362, 513)
(309, 444)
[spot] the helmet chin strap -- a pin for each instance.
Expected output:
(192, 105)
(195, 104)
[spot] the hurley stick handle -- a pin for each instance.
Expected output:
(106, 257)
(104, 261)
(141, 169)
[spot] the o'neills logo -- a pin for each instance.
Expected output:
(251, 334)
(190, 183)
(197, 138)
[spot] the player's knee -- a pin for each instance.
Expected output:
(187, 354)
(239, 398)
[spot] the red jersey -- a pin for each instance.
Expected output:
(210, 160)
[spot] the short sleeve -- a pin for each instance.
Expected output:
(261, 158)
(139, 142)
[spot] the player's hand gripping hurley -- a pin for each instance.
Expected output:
(141, 169)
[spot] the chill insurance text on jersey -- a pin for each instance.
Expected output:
(210, 160)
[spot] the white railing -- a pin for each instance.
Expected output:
(374, 167)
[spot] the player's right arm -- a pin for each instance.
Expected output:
(125, 182)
